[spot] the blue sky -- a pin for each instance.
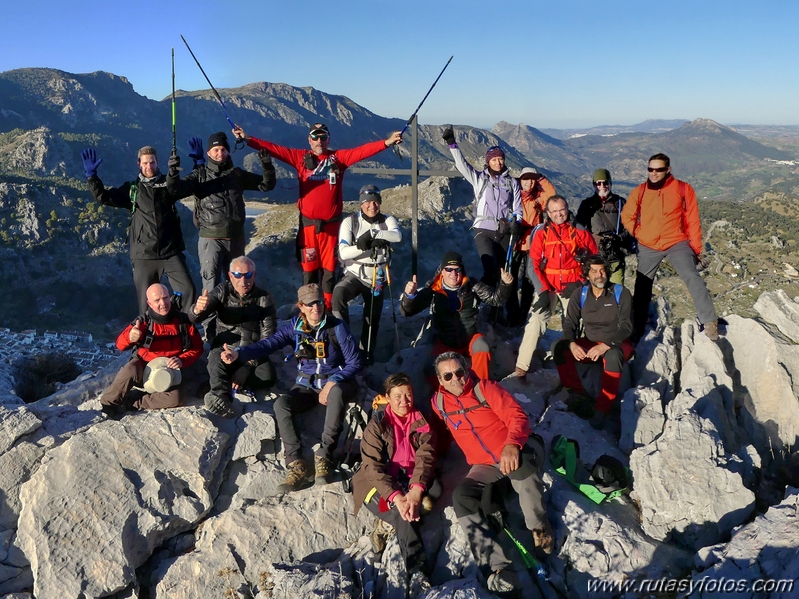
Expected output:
(546, 64)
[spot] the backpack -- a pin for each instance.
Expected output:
(607, 479)
(481, 403)
(616, 293)
(147, 340)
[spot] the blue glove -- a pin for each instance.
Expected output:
(196, 151)
(90, 162)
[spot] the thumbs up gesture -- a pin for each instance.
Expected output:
(135, 330)
(229, 355)
(410, 288)
(202, 303)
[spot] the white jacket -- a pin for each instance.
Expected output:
(361, 264)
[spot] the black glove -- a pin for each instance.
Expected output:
(265, 157)
(448, 135)
(702, 261)
(379, 244)
(90, 162)
(364, 241)
(516, 229)
(173, 163)
(196, 151)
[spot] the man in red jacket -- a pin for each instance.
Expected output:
(555, 253)
(320, 172)
(162, 332)
(494, 434)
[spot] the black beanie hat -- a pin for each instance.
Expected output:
(369, 193)
(452, 259)
(218, 139)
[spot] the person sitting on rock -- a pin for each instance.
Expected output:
(606, 314)
(245, 314)
(162, 332)
(495, 436)
(454, 302)
(396, 481)
(327, 362)
(364, 248)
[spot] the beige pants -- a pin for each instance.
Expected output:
(536, 326)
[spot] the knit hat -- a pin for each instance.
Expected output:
(529, 172)
(602, 174)
(494, 152)
(319, 128)
(370, 193)
(218, 139)
(309, 293)
(452, 259)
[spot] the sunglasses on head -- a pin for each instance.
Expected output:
(246, 275)
(447, 376)
(313, 303)
(454, 269)
(660, 169)
(319, 136)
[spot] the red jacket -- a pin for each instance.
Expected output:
(660, 218)
(557, 243)
(167, 342)
(318, 198)
(484, 432)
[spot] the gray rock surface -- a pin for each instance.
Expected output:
(641, 417)
(777, 308)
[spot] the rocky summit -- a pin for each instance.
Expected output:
(181, 504)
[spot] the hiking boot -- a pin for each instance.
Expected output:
(295, 476)
(597, 421)
(426, 506)
(580, 404)
(114, 411)
(324, 471)
(219, 404)
(503, 581)
(542, 537)
(712, 330)
(418, 584)
(379, 536)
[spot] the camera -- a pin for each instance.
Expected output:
(610, 246)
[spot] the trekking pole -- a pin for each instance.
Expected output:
(371, 312)
(216, 93)
(174, 120)
(391, 297)
(415, 112)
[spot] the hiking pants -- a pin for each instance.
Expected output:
(318, 250)
(493, 250)
(409, 536)
(521, 297)
(301, 399)
(132, 375)
(468, 497)
(683, 259)
(613, 363)
(540, 313)
(349, 288)
(262, 376)
(149, 272)
(215, 256)
(478, 351)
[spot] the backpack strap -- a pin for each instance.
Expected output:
(134, 195)
(183, 328)
(617, 293)
(481, 399)
(583, 295)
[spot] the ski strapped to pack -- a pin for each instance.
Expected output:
(607, 479)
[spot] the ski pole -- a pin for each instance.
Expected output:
(405, 128)
(216, 93)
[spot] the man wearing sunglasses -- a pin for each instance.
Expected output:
(601, 215)
(327, 362)
(495, 436)
(454, 302)
(245, 313)
(662, 214)
(320, 173)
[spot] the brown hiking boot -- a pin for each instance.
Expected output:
(712, 330)
(295, 476)
(324, 470)
(542, 537)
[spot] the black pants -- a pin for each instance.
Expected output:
(349, 288)
(301, 399)
(262, 376)
(522, 292)
(149, 272)
(492, 249)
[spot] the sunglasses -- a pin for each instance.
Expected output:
(447, 376)
(313, 304)
(661, 169)
(454, 269)
(601, 184)
(246, 275)
(319, 136)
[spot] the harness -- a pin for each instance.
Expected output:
(316, 380)
(481, 403)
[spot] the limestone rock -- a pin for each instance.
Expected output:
(101, 502)
(14, 424)
(777, 308)
(656, 360)
(642, 417)
(255, 427)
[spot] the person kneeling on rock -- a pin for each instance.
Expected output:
(495, 436)
(605, 311)
(396, 481)
(165, 343)
(327, 362)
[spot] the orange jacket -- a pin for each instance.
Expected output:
(660, 218)
(552, 252)
(534, 205)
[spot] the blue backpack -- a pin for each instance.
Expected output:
(616, 293)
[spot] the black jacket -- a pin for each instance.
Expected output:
(604, 320)
(219, 192)
(455, 328)
(599, 219)
(154, 229)
(240, 320)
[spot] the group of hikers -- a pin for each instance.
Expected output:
(536, 260)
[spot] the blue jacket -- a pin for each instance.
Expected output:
(342, 359)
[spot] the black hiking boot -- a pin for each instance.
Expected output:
(219, 404)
